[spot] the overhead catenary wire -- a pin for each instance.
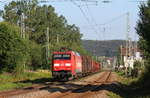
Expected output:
(90, 13)
(111, 21)
(108, 22)
(93, 20)
(91, 23)
(83, 13)
(114, 19)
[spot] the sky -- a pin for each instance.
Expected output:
(91, 19)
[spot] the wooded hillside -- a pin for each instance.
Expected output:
(108, 48)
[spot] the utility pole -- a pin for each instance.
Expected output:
(121, 54)
(57, 38)
(22, 26)
(128, 45)
(24, 3)
(127, 35)
(23, 33)
(135, 46)
(96, 49)
(47, 45)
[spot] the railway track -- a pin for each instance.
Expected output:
(97, 86)
(33, 88)
(86, 88)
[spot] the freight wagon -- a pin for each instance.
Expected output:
(70, 64)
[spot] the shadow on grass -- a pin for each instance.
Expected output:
(37, 81)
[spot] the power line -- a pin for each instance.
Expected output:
(93, 20)
(45, 1)
(90, 13)
(92, 17)
(87, 19)
(112, 20)
(81, 11)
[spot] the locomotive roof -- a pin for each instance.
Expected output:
(74, 52)
(61, 52)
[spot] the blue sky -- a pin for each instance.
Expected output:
(99, 14)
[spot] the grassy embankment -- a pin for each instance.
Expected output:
(9, 81)
(128, 88)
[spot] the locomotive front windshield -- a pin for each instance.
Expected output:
(62, 57)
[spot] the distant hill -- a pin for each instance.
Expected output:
(103, 48)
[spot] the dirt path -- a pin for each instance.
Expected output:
(94, 86)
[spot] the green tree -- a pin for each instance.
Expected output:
(1, 13)
(144, 25)
(143, 31)
(37, 19)
(13, 50)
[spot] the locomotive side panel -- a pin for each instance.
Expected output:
(78, 61)
(71, 64)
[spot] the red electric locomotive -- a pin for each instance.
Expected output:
(66, 64)
(70, 64)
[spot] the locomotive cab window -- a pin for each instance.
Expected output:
(61, 56)
(57, 56)
(66, 56)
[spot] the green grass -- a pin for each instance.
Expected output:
(128, 88)
(120, 73)
(113, 95)
(10, 81)
(11, 85)
(125, 80)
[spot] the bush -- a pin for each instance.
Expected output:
(13, 49)
(144, 80)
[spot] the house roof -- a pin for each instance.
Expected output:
(132, 51)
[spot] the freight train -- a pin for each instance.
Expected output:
(70, 64)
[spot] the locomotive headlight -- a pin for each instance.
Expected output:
(67, 64)
(56, 64)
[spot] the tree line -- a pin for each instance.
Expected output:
(143, 30)
(17, 53)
